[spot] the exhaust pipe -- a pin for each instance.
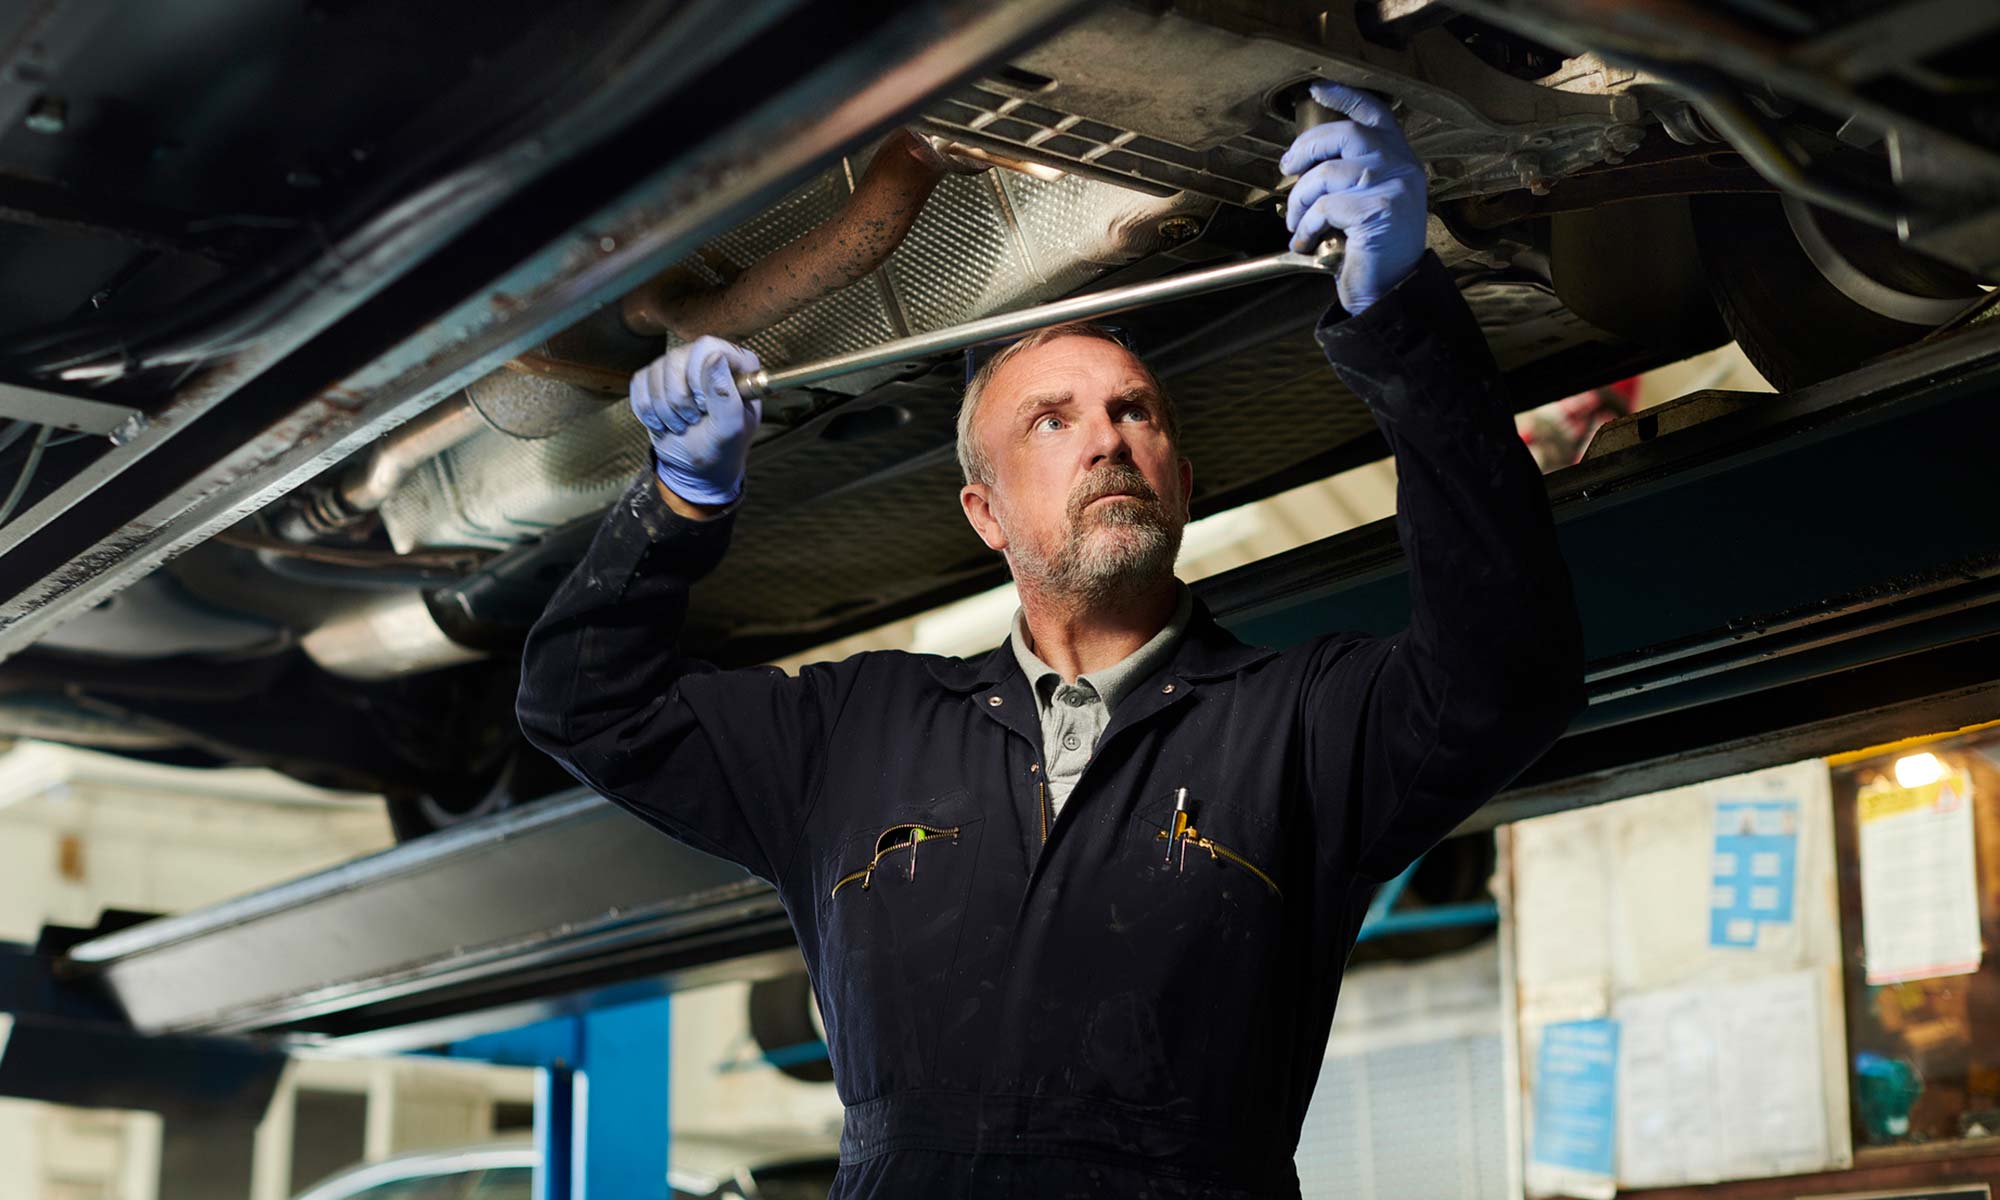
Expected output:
(841, 250)
(537, 393)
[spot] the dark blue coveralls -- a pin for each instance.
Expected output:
(1059, 1009)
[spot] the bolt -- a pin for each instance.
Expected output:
(47, 114)
(607, 243)
(1540, 141)
(1179, 229)
(131, 427)
(1527, 170)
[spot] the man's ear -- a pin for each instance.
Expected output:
(977, 501)
(1187, 487)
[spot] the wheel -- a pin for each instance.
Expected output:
(1809, 295)
(783, 1016)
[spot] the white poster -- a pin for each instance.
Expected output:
(1722, 1082)
(1919, 892)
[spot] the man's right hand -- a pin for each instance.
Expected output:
(700, 426)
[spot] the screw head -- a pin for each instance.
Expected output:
(1179, 229)
(47, 114)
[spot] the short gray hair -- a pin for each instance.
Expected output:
(972, 457)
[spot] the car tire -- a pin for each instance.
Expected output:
(1809, 295)
(782, 1016)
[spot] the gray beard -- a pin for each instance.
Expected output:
(1108, 552)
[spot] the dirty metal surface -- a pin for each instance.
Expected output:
(1132, 95)
(844, 80)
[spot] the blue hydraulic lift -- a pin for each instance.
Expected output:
(601, 1101)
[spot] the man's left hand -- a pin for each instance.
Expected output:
(1360, 179)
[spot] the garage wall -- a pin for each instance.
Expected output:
(82, 832)
(1412, 1096)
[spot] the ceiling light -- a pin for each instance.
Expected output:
(1916, 770)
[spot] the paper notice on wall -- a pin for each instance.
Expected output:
(1919, 892)
(1721, 1082)
(1667, 1112)
(1771, 1076)
(1754, 874)
(1573, 1149)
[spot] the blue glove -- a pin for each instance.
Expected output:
(1358, 178)
(700, 426)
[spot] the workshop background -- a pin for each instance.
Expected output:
(1777, 979)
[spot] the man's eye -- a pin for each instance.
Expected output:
(1136, 413)
(1050, 422)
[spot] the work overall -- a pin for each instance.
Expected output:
(1092, 1005)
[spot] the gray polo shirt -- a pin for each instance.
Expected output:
(1074, 715)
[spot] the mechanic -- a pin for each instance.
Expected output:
(1076, 912)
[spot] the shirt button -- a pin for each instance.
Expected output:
(1071, 741)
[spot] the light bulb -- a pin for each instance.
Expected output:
(1916, 770)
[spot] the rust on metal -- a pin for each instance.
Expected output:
(845, 248)
(595, 377)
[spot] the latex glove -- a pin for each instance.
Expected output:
(1358, 178)
(700, 426)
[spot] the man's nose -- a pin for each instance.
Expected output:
(1107, 443)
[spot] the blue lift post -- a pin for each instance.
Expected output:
(601, 1121)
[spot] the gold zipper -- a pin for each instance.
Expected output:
(918, 834)
(1217, 850)
(1042, 807)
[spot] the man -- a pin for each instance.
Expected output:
(1076, 913)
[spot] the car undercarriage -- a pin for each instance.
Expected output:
(315, 323)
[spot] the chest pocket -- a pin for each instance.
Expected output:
(891, 908)
(1222, 867)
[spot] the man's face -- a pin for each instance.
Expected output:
(1087, 494)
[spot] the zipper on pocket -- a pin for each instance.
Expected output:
(1216, 850)
(918, 833)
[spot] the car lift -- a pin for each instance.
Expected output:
(1832, 556)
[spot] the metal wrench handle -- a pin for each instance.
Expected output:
(1074, 308)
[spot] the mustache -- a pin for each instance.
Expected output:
(1111, 481)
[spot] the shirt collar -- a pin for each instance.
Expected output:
(1113, 682)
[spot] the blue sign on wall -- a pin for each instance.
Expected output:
(1576, 1097)
(1755, 871)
